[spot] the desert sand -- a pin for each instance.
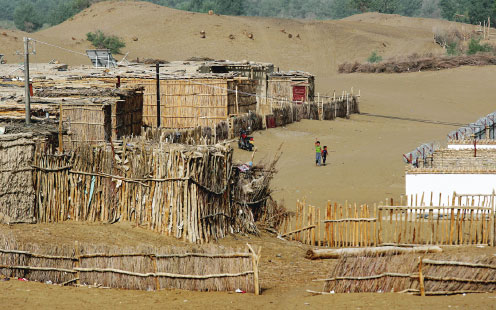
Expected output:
(399, 112)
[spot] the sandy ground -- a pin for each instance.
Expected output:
(285, 277)
(365, 164)
(400, 112)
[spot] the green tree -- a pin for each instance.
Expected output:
(26, 18)
(342, 9)
(475, 47)
(229, 7)
(101, 40)
(385, 6)
(410, 8)
(362, 5)
(480, 10)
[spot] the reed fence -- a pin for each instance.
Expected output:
(178, 190)
(144, 268)
(431, 275)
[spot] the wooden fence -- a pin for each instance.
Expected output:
(178, 190)
(213, 269)
(304, 226)
(436, 225)
(353, 225)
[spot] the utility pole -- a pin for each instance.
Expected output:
(157, 70)
(27, 94)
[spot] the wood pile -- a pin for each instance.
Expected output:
(416, 64)
(209, 268)
(251, 194)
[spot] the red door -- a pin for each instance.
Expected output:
(299, 93)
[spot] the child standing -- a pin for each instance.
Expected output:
(324, 155)
(318, 153)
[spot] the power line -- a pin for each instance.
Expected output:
(167, 75)
(59, 47)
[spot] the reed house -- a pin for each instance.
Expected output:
(199, 100)
(294, 86)
(95, 115)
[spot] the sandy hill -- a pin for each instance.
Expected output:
(366, 162)
(153, 31)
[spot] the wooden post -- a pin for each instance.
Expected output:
(328, 231)
(379, 217)
(157, 282)
(237, 101)
(421, 278)
(318, 227)
(61, 148)
(77, 263)
(254, 259)
(313, 222)
(491, 228)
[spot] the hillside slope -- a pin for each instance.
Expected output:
(152, 31)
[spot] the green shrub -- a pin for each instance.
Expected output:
(101, 40)
(452, 49)
(374, 58)
(474, 47)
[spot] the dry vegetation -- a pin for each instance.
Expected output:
(416, 63)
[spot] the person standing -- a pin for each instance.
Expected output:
(324, 155)
(318, 153)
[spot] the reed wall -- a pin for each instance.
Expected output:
(17, 196)
(442, 274)
(210, 268)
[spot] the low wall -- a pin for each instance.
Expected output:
(210, 268)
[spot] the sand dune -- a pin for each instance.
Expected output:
(171, 34)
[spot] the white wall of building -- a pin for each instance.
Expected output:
(446, 184)
(471, 146)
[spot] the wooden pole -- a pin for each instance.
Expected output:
(254, 259)
(157, 281)
(77, 262)
(61, 148)
(318, 227)
(27, 92)
(237, 101)
(157, 76)
(421, 278)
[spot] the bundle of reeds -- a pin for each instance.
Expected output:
(345, 277)
(209, 268)
(415, 63)
(16, 182)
